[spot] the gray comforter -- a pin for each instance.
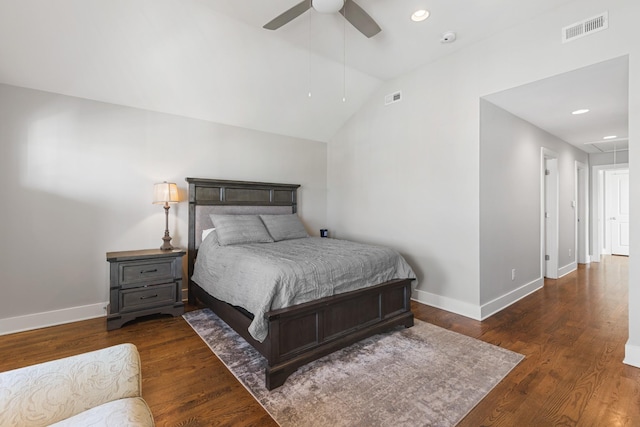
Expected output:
(260, 277)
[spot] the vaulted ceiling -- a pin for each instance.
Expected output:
(212, 60)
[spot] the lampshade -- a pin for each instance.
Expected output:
(165, 192)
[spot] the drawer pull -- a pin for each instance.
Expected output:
(149, 271)
(150, 296)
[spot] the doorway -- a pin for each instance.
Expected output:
(610, 200)
(617, 211)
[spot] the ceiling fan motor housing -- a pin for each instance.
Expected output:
(327, 6)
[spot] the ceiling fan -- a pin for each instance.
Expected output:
(348, 8)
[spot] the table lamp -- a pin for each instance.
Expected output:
(165, 192)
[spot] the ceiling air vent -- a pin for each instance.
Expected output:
(392, 97)
(586, 27)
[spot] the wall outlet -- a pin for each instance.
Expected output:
(569, 251)
(513, 274)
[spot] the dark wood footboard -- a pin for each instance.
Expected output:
(306, 332)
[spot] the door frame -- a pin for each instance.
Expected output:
(549, 238)
(582, 214)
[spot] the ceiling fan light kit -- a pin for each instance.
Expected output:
(327, 6)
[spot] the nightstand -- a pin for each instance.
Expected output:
(144, 282)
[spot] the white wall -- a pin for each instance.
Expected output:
(428, 146)
(406, 175)
(510, 205)
(77, 179)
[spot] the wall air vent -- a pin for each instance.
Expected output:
(392, 97)
(585, 27)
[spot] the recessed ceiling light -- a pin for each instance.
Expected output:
(420, 15)
(582, 111)
(610, 137)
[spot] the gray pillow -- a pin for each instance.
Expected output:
(284, 227)
(237, 229)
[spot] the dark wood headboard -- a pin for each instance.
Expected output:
(208, 196)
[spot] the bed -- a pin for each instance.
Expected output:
(300, 333)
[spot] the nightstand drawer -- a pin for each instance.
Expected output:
(150, 296)
(147, 272)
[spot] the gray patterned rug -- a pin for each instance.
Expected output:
(421, 376)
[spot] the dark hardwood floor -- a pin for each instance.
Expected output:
(572, 333)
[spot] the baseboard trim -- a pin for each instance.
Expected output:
(632, 355)
(449, 304)
(563, 271)
(28, 322)
(492, 307)
(477, 312)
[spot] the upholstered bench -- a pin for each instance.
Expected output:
(99, 388)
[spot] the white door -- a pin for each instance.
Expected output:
(551, 217)
(617, 206)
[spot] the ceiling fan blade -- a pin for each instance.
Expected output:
(289, 15)
(360, 19)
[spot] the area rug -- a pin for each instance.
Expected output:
(420, 376)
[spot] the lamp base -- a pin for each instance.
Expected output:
(166, 244)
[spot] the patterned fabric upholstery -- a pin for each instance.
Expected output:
(131, 412)
(106, 383)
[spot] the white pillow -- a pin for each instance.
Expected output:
(206, 232)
